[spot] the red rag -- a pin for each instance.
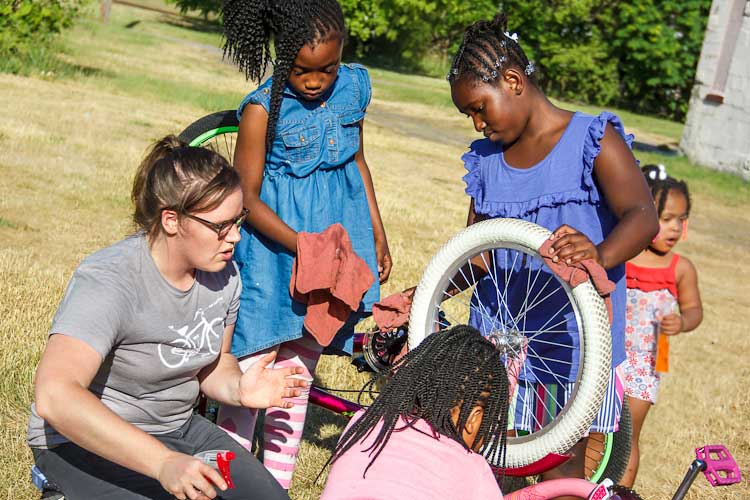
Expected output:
(392, 311)
(330, 278)
(575, 274)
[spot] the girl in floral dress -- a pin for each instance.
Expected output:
(662, 300)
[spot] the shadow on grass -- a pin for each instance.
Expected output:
(194, 24)
(49, 62)
(318, 418)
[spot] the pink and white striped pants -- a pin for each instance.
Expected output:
(282, 428)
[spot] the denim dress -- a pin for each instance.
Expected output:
(560, 189)
(310, 181)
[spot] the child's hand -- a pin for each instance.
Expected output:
(572, 246)
(383, 255)
(671, 324)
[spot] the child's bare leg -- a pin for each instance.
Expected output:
(638, 411)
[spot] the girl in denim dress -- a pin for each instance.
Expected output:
(301, 162)
(569, 172)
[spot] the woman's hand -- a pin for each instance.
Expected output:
(262, 387)
(572, 246)
(383, 255)
(671, 324)
(187, 477)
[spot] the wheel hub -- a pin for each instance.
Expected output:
(509, 341)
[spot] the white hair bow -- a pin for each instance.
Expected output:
(660, 174)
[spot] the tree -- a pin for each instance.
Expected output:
(31, 22)
(641, 54)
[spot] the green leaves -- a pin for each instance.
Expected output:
(638, 54)
(24, 22)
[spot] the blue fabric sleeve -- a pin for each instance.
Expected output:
(592, 143)
(473, 178)
(363, 83)
(261, 96)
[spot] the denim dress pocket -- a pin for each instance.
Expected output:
(302, 143)
(350, 127)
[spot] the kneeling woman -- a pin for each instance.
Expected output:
(144, 325)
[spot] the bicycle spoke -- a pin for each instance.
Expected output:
(494, 282)
(541, 331)
(535, 303)
(507, 281)
(475, 291)
(568, 346)
(545, 334)
(553, 317)
(550, 371)
(484, 311)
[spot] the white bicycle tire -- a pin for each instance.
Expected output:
(576, 418)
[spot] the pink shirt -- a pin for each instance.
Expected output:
(411, 466)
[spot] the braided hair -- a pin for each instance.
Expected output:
(661, 184)
(249, 26)
(487, 50)
(453, 368)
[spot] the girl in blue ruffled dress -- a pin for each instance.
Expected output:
(571, 173)
(302, 166)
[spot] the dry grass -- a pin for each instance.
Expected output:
(68, 149)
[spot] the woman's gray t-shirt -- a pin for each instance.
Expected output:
(152, 337)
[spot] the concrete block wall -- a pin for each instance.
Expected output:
(717, 134)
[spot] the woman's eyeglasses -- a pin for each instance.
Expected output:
(222, 228)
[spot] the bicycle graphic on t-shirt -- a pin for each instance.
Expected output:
(196, 341)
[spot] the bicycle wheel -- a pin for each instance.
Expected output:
(491, 275)
(217, 131)
(607, 455)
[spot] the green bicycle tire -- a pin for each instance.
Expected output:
(617, 447)
(217, 131)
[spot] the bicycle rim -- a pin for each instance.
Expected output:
(217, 131)
(607, 455)
(598, 454)
(508, 305)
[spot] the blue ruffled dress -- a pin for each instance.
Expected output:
(560, 189)
(310, 181)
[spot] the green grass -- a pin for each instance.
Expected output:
(721, 186)
(7, 223)
(173, 92)
(394, 86)
(658, 126)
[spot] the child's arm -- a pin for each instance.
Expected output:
(689, 299)
(381, 242)
(249, 160)
(627, 195)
